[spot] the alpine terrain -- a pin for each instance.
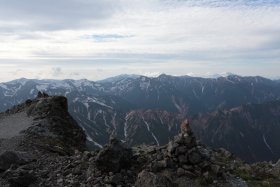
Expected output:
(42, 145)
(139, 109)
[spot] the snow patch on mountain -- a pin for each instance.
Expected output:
(145, 85)
(87, 107)
(21, 81)
(118, 78)
(105, 121)
(179, 108)
(32, 91)
(227, 79)
(114, 121)
(62, 84)
(202, 89)
(267, 145)
(148, 127)
(95, 100)
(82, 82)
(125, 128)
(42, 87)
(126, 125)
(3, 86)
(94, 142)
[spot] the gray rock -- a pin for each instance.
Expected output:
(183, 159)
(188, 139)
(204, 152)
(116, 179)
(97, 185)
(181, 149)
(113, 157)
(215, 168)
(180, 171)
(19, 178)
(179, 139)
(276, 169)
(225, 152)
(148, 179)
(9, 158)
(109, 185)
(187, 167)
(194, 157)
(172, 147)
(159, 165)
(237, 182)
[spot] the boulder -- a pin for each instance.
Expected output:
(9, 158)
(194, 157)
(276, 169)
(159, 165)
(180, 171)
(20, 177)
(148, 179)
(183, 159)
(114, 157)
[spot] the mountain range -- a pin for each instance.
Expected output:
(235, 112)
(250, 130)
(42, 145)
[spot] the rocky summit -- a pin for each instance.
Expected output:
(42, 145)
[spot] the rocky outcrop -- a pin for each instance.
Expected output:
(51, 128)
(147, 179)
(114, 157)
(32, 130)
(54, 128)
(187, 162)
(183, 158)
(9, 158)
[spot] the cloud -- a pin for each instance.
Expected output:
(54, 14)
(56, 71)
(154, 36)
(151, 74)
(106, 37)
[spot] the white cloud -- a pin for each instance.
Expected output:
(154, 36)
(151, 74)
(56, 72)
(55, 14)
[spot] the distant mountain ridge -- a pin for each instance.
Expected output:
(139, 109)
(192, 95)
(250, 131)
(119, 77)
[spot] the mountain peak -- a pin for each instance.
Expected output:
(119, 77)
(45, 123)
(166, 76)
(21, 81)
(226, 74)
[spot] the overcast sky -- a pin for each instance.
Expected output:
(95, 39)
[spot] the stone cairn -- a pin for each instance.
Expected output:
(184, 152)
(186, 156)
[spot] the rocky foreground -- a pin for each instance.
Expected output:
(43, 146)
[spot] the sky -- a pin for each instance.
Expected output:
(95, 39)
